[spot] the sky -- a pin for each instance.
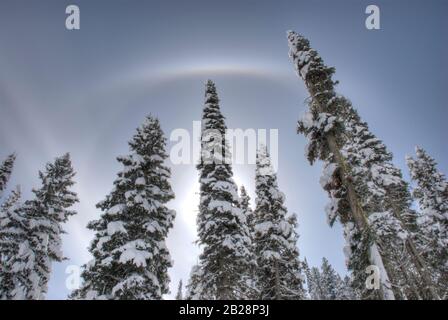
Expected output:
(86, 91)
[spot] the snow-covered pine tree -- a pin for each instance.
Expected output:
(252, 291)
(179, 294)
(44, 215)
(431, 190)
(222, 227)
(327, 284)
(384, 198)
(313, 282)
(279, 270)
(245, 207)
(308, 280)
(5, 171)
(330, 281)
(431, 194)
(194, 288)
(325, 126)
(130, 257)
(347, 292)
(296, 277)
(15, 256)
(325, 137)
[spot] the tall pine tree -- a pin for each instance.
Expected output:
(385, 200)
(313, 282)
(327, 284)
(279, 269)
(367, 230)
(295, 277)
(431, 194)
(222, 226)
(45, 214)
(17, 259)
(331, 282)
(250, 274)
(130, 257)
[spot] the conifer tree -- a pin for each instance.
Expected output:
(385, 200)
(222, 227)
(279, 270)
(295, 277)
(331, 281)
(347, 292)
(333, 287)
(308, 280)
(179, 295)
(245, 207)
(431, 193)
(130, 257)
(336, 135)
(251, 288)
(44, 215)
(15, 255)
(195, 289)
(313, 282)
(5, 171)
(326, 284)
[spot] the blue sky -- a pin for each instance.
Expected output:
(86, 91)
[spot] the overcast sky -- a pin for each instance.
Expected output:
(86, 91)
